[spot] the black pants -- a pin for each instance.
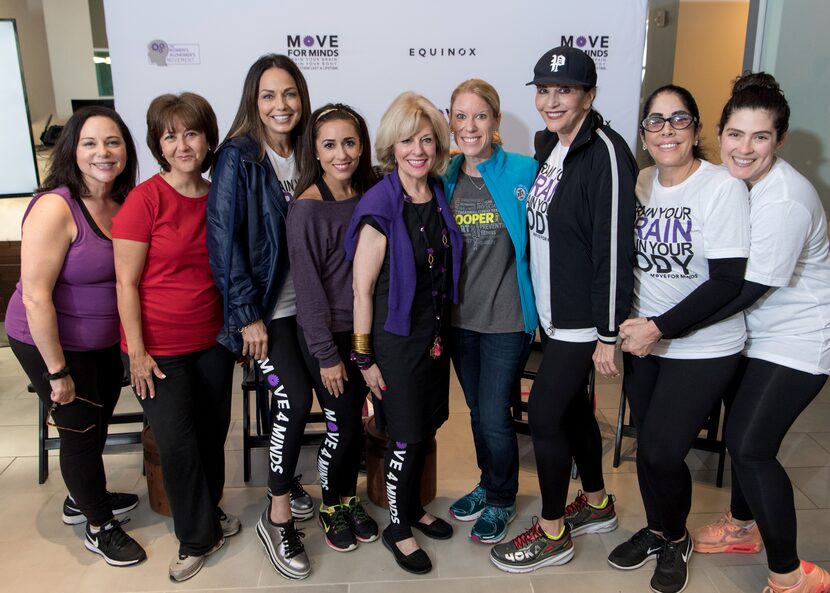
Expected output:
(338, 460)
(670, 400)
(97, 375)
(290, 405)
(189, 417)
(563, 425)
(762, 404)
(404, 467)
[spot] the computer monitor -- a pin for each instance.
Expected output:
(101, 101)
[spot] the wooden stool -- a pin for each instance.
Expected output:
(152, 469)
(376, 476)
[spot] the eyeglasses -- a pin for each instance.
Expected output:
(678, 121)
(50, 420)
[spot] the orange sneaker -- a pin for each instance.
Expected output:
(814, 579)
(725, 535)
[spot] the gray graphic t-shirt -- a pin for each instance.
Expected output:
(488, 289)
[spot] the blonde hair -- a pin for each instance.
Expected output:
(487, 92)
(404, 117)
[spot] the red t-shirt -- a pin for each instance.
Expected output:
(181, 309)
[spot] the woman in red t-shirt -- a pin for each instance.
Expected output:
(171, 313)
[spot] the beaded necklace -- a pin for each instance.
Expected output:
(437, 289)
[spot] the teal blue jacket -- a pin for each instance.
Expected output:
(508, 177)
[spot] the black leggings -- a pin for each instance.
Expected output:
(189, 417)
(97, 375)
(762, 406)
(563, 425)
(338, 460)
(404, 466)
(670, 400)
(289, 406)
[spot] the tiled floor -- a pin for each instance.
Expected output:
(39, 553)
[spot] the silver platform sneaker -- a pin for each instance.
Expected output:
(284, 547)
(302, 506)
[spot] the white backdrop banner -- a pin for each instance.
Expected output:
(366, 53)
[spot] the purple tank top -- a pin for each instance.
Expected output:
(84, 294)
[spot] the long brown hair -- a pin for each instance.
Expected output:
(309, 166)
(247, 120)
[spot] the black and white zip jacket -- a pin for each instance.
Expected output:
(591, 222)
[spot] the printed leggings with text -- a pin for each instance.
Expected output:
(562, 424)
(670, 400)
(338, 460)
(403, 467)
(290, 403)
(762, 403)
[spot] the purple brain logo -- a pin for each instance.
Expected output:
(308, 40)
(273, 380)
(581, 41)
(331, 426)
(400, 445)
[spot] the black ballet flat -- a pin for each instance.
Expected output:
(438, 529)
(417, 562)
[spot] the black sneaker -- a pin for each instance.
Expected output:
(365, 528)
(120, 503)
(111, 542)
(643, 546)
(672, 572)
(336, 527)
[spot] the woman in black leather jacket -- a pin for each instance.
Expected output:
(253, 181)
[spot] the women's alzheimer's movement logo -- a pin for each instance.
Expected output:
(161, 53)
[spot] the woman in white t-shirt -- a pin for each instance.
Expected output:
(691, 242)
(786, 360)
(252, 183)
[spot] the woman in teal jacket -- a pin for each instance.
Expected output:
(494, 320)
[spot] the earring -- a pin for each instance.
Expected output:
(644, 146)
(696, 142)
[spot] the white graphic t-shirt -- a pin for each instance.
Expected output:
(538, 201)
(790, 325)
(677, 230)
(286, 170)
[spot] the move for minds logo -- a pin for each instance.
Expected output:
(596, 46)
(161, 53)
(314, 51)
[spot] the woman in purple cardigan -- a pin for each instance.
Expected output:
(335, 170)
(406, 250)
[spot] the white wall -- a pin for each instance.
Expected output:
(69, 37)
(795, 49)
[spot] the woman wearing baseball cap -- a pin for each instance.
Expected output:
(581, 217)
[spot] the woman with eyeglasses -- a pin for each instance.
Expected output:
(691, 242)
(62, 319)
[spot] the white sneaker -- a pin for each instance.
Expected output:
(184, 567)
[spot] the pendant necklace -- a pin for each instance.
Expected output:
(437, 285)
(476, 185)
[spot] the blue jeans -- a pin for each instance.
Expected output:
(487, 366)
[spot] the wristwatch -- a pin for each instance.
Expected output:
(64, 372)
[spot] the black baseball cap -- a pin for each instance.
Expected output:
(565, 65)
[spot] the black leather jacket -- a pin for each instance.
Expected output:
(246, 238)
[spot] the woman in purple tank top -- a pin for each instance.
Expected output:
(62, 320)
